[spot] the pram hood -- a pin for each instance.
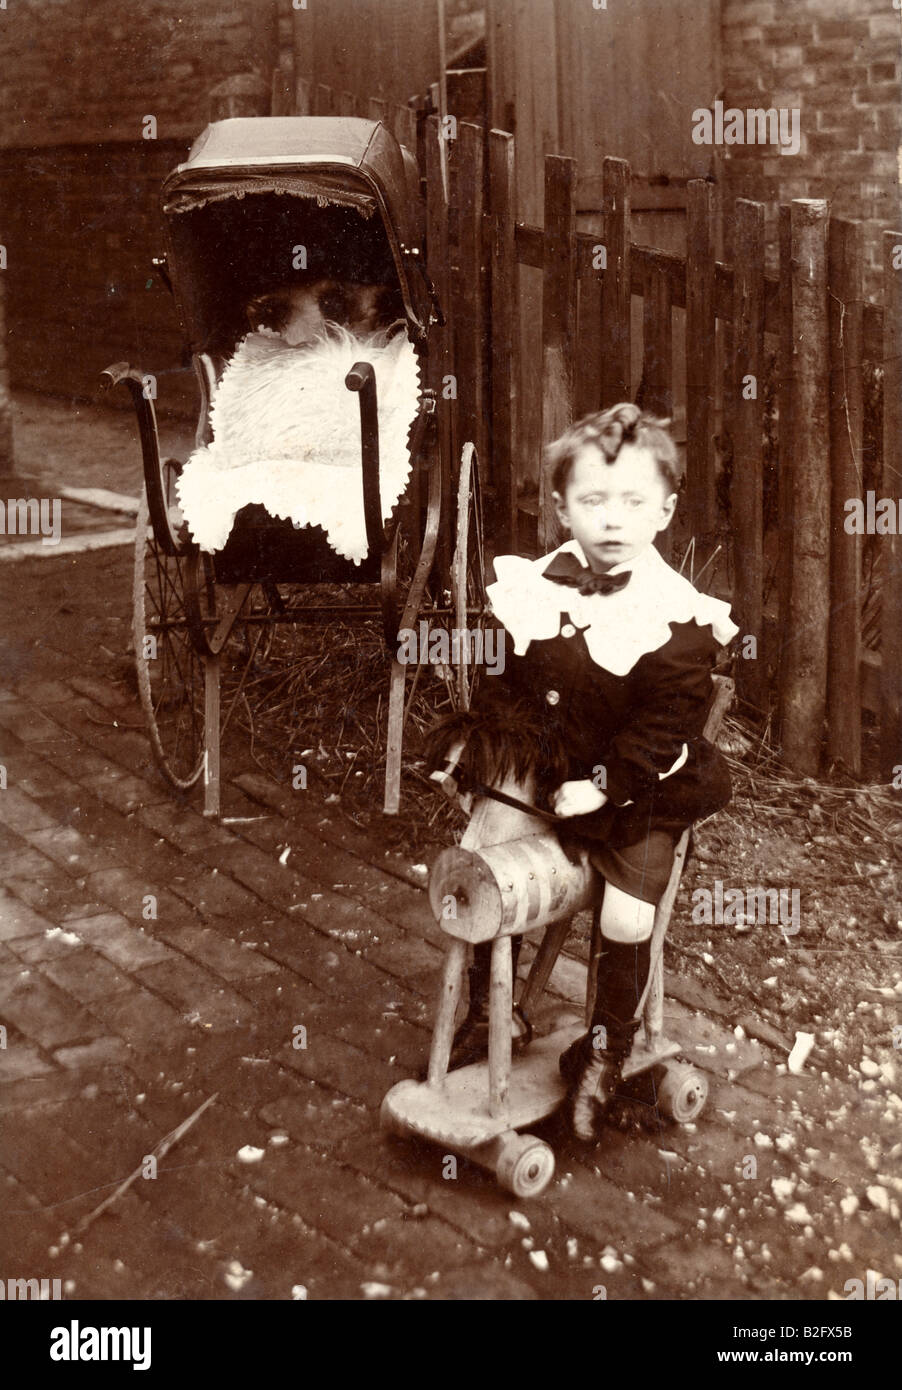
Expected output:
(254, 190)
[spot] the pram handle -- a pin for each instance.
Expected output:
(362, 378)
(142, 389)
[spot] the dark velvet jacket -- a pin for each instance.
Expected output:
(635, 726)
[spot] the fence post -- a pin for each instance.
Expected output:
(747, 416)
(786, 437)
(303, 100)
(6, 418)
(505, 338)
(846, 306)
(616, 373)
(441, 357)
(891, 622)
(558, 320)
(804, 689)
(470, 306)
(657, 364)
(700, 361)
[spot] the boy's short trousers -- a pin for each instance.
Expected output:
(632, 846)
(641, 868)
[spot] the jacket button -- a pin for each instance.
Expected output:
(552, 697)
(568, 630)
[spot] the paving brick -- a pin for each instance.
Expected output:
(124, 793)
(18, 919)
(42, 1012)
(392, 1039)
(31, 1094)
(101, 1052)
(147, 1023)
(333, 1063)
(185, 830)
(121, 943)
(219, 953)
(126, 889)
(55, 1167)
(87, 976)
(108, 694)
(25, 721)
(412, 1249)
(165, 1258)
(317, 1116)
(19, 812)
(412, 1168)
(43, 692)
(326, 1197)
(20, 1059)
(591, 1204)
(50, 891)
(198, 993)
(50, 945)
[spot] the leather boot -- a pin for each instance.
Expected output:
(593, 1073)
(471, 1041)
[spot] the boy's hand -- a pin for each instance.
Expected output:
(577, 799)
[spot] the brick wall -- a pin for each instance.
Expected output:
(839, 63)
(79, 185)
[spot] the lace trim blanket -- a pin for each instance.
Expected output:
(286, 434)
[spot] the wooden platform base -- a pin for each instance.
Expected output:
(457, 1112)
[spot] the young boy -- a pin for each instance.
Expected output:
(604, 698)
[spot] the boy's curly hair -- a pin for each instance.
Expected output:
(609, 430)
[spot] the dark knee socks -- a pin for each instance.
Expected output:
(622, 976)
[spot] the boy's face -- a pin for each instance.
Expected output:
(615, 509)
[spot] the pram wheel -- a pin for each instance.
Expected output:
(682, 1092)
(170, 670)
(525, 1165)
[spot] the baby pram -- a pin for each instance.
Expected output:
(261, 203)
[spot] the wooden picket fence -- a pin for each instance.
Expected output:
(810, 664)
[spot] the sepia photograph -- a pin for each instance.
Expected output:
(450, 669)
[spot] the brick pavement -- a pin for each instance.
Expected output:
(121, 1020)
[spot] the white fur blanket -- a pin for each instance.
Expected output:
(286, 434)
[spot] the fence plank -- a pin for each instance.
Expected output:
(471, 322)
(803, 695)
(346, 104)
(303, 100)
(441, 355)
(845, 267)
(746, 385)
(558, 320)
(324, 98)
(891, 605)
(700, 362)
(785, 505)
(376, 110)
(657, 353)
(504, 341)
(616, 287)
(656, 388)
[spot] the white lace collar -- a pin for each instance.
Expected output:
(618, 628)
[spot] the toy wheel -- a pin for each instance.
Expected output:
(170, 671)
(682, 1092)
(525, 1166)
(468, 571)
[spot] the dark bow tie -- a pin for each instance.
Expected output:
(566, 569)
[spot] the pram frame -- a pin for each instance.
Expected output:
(186, 598)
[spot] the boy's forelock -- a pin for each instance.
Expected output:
(608, 430)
